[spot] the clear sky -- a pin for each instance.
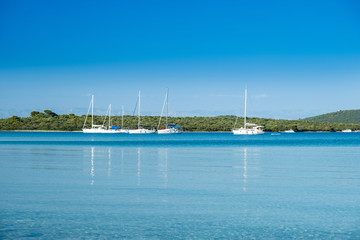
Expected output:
(297, 58)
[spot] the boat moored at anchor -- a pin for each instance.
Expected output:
(249, 128)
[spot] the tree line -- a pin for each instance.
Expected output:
(343, 116)
(48, 120)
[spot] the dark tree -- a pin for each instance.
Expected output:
(34, 113)
(50, 113)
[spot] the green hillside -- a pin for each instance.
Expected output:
(48, 120)
(344, 116)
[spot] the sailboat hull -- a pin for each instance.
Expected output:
(96, 130)
(169, 131)
(243, 131)
(141, 131)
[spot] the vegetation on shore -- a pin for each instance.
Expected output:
(49, 120)
(343, 116)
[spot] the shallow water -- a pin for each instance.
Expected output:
(189, 186)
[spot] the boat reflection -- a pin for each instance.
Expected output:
(163, 155)
(245, 170)
(92, 163)
(138, 166)
(122, 162)
(92, 170)
(241, 166)
(109, 161)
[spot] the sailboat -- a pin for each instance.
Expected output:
(110, 129)
(169, 128)
(123, 130)
(249, 128)
(97, 128)
(140, 129)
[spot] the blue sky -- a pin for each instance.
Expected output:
(298, 58)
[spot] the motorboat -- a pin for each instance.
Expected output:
(289, 131)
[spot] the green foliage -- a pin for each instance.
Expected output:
(50, 113)
(71, 122)
(345, 116)
(34, 113)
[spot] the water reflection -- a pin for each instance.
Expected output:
(125, 163)
(122, 162)
(245, 169)
(109, 161)
(138, 166)
(163, 155)
(150, 166)
(241, 164)
(92, 171)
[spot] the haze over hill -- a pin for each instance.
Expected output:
(343, 116)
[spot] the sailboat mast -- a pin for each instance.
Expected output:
(139, 112)
(92, 111)
(109, 114)
(245, 107)
(167, 106)
(122, 116)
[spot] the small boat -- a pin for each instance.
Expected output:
(249, 128)
(140, 129)
(346, 130)
(289, 131)
(169, 128)
(98, 128)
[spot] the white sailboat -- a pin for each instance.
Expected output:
(249, 128)
(140, 129)
(109, 128)
(169, 128)
(97, 128)
(123, 130)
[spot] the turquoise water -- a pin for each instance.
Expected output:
(189, 186)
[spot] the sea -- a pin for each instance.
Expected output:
(71, 185)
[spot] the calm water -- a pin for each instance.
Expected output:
(190, 186)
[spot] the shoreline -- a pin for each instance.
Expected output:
(36, 131)
(62, 131)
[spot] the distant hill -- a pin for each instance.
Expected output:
(49, 120)
(344, 116)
